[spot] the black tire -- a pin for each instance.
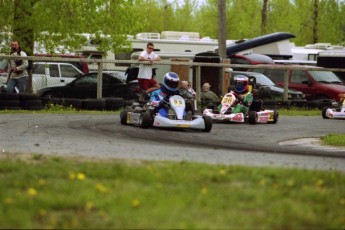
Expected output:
(123, 116)
(114, 103)
(208, 123)
(10, 104)
(28, 96)
(145, 120)
(252, 117)
(71, 102)
(34, 104)
(9, 96)
(275, 117)
(324, 113)
(93, 104)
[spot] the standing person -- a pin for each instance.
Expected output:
(145, 76)
(17, 70)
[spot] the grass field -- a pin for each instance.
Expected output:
(51, 192)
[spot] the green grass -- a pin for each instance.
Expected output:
(334, 139)
(52, 192)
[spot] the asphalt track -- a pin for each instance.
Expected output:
(285, 144)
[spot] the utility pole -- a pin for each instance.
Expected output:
(222, 42)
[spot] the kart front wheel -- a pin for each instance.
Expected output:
(252, 117)
(123, 116)
(145, 120)
(208, 123)
(324, 110)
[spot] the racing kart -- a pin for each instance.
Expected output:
(334, 113)
(255, 115)
(146, 116)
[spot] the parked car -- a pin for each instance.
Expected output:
(267, 89)
(85, 86)
(53, 74)
(315, 84)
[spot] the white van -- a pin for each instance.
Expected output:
(46, 74)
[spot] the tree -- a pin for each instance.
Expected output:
(63, 22)
(264, 17)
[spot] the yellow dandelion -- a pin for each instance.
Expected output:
(100, 187)
(42, 212)
(89, 206)
(262, 182)
(342, 201)
(159, 185)
(72, 175)
(136, 203)
(8, 200)
(42, 182)
(290, 183)
(204, 190)
(81, 176)
(31, 192)
(222, 172)
(320, 183)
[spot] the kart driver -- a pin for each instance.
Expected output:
(160, 97)
(244, 97)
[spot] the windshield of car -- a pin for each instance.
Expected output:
(325, 77)
(118, 74)
(263, 80)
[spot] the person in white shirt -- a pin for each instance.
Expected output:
(145, 76)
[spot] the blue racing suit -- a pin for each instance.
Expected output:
(160, 100)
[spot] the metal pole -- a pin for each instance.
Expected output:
(286, 84)
(99, 80)
(198, 82)
(222, 41)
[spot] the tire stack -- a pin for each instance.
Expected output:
(29, 101)
(9, 101)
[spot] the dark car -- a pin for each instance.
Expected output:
(267, 89)
(85, 86)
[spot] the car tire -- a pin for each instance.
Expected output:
(208, 123)
(252, 117)
(324, 113)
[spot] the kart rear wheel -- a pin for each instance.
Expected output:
(324, 113)
(253, 117)
(145, 120)
(123, 116)
(208, 123)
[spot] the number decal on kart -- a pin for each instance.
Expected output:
(177, 102)
(128, 118)
(227, 100)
